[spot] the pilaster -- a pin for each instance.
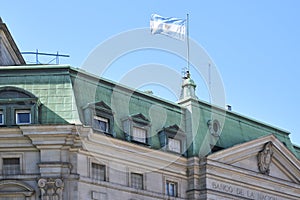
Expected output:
(196, 178)
(53, 143)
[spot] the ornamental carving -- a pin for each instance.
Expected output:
(51, 189)
(265, 158)
(214, 127)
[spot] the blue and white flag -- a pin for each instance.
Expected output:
(170, 26)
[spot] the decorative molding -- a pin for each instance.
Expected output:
(139, 118)
(51, 188)
(9, 52)
(15, 187)
(174, 130)
(214, 127)
(264, 158)
(101, 106)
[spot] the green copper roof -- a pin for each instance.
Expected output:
(125, 102)
(297, 149)
(64, 91)
(51, 84)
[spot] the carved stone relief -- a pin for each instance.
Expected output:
(265, 158)
(51, 189)
(214, 127)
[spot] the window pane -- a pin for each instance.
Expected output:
(23, 117)
(102, 126)
(98, 172)
(137, 181)
(171, 188)
(139, 134)
(174, 145)
(11, 166)
(1, 118)
(101, 123)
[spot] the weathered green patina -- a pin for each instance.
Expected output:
(64, 91)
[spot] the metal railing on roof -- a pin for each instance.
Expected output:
(49, 61)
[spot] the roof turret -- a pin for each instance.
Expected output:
(188, 87)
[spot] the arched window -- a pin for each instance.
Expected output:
(17, 107)
(15, 190)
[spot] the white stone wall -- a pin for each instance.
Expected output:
(122, 158)
(58, 157)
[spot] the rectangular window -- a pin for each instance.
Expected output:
(23, 117)
(137, 181)
(98, 172)
(171, 188)
(101, 123)
(11, 166)
(139, 134)
(1, 118)
(174, 145)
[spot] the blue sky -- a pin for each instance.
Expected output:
(254, 44)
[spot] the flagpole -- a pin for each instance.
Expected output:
(188, 44)
(209, 77)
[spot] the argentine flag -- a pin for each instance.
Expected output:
(170, 26)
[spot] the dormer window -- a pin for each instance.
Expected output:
(139, 134)
(172, 139)
(101, 124)
(18, 107)
(23, 117)
(137, 129)
(99, 116)
(1, 118)
(174, 145)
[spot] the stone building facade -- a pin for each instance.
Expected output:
(67, 134)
